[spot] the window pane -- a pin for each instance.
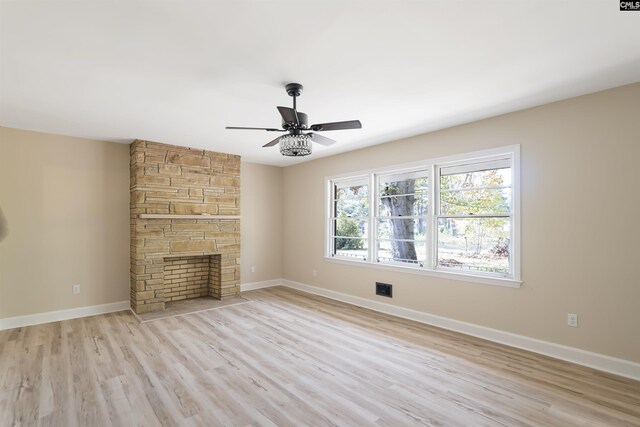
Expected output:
(475, 244)
(351, 228)
(476, 188)
(483, 178)
(351, 201)
(352, 248)
(349, 208)
(359, 191)
(411, 205)
(404, 194)
(404, 229)
(480, 201)
(410, 253)
(406, 183)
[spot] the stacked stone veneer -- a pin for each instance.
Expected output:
(167, 179)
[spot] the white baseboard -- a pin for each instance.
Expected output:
(259, 285)
(56, 316)
(598, 361)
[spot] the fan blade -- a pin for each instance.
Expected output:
(267, 129)
(323, 140)
(272, 143)
(350, 124)
(289, 115)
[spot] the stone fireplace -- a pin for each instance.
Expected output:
(185, 225)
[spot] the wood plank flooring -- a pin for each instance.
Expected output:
(287, 358)
(185, 306)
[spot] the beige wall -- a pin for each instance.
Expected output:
(66, 205)
(261, 224)
(580, 241)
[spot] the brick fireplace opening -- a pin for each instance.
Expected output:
(188, 277)
(185, 225)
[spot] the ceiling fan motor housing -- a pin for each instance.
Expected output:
(302, 119)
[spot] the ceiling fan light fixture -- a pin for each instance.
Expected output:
(294, 122)
(295, 145)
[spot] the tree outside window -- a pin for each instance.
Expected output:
(401, 220)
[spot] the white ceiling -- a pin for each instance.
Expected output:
(178, 72)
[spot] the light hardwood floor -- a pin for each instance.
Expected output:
(289, 358)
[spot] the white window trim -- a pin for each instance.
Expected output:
(431, 165)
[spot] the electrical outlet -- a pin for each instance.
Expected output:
(253, 268)
(75, 289)
(314, 272)
(572, 320)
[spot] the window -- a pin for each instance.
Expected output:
(474, 218)
(401, 221)
(350, 219)
(450, 216)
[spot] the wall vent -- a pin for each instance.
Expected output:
(384, 289)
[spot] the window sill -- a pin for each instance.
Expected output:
(485, 280)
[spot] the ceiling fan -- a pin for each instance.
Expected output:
(297, 141)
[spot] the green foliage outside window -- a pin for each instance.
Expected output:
(348, 228)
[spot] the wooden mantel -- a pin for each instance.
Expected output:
(180, 216)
